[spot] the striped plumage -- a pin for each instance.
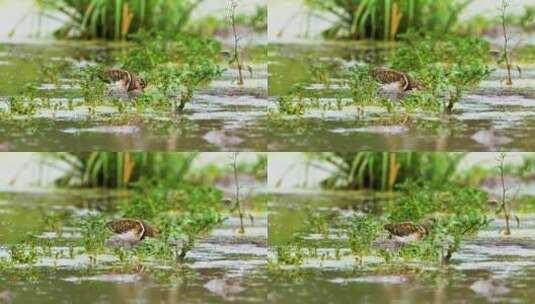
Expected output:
(407, 229)
(389, 76)
(130, 231)
(126, 81)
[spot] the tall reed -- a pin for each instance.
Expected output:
(115, 19)
(383, 170)
(120, 169)
(384, 19)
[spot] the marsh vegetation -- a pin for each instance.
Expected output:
(444, 233)
(60, 238)
(189, 87)
(459, 73)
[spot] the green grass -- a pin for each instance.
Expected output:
(385, 19)
(116, 19)
(121, 169)
(384, 170)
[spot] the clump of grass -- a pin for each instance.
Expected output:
(121, 169)
(361, 231)
(456, 211)
(173, 66)
(93, 233)
(181, 216)
(419, 200)
(386, 19)
(445, 65)
(115, 20)
(22, 254)
(362, 85)
(19, 105)
(384, 170)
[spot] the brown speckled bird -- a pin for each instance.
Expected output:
(130, 231)
(406, 229)
(126, 82)
(388, 76)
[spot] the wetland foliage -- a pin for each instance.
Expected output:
(385, 19)
(72, 238)
(121, 169)
(115, 20)
(384, 170)
(444, 66)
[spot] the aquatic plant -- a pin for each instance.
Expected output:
(93, 232)
(361, 231)
(290, 254)
(53, 221)
(173, 65)
(385, 170)
(104, 19)
(18, 105)
(420, 198)
(22, 254)
(385, 19)
(362, 85)
(319, 221)
(456, 212)
(446, 65)
(182, 212)
(121, 169)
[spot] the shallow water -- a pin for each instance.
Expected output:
(223, 266)
(221, 116)
(507, 262)
(489, 118)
